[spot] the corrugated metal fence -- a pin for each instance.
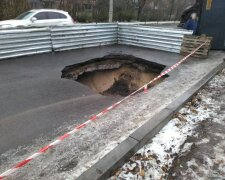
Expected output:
(20, 42)
(83, 36)
(166, 39)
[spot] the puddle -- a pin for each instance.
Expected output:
(114, 74)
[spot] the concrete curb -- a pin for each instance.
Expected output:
(114, 159)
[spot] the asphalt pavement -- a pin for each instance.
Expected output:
(35, 101)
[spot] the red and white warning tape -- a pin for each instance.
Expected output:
(93, 118)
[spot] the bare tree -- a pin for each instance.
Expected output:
(124, 10)
(141, 4)
(1, 12)
(12, 8)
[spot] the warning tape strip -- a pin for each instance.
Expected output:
(93, 118)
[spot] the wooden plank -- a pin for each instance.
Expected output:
(191, 42)
(191, 49)
(197, 41)
(203, 53)
(196, 55)
(188, 52)
(195, 46)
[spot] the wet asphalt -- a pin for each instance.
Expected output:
(35, 101)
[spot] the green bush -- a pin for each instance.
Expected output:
(84, 17)
(101, 16)
(10, 9)
(124, 10)
(101, 11)
(124, 16)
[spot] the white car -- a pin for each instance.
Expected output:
(39, 18)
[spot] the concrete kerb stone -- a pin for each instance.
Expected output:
(176, 105)
(150, 128)
(103, 169)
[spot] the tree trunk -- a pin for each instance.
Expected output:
(141, 4)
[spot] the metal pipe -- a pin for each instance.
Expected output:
(110, 11)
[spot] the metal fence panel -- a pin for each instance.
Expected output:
(166, 39)
(83, 35)
(21, 42)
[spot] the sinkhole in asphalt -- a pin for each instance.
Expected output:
(114, 74)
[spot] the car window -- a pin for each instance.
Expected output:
(56, 15)
(62, 16)
(41, 16)
(24, 15)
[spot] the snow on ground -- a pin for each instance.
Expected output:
(155, 160)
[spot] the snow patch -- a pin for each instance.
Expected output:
(155, 159)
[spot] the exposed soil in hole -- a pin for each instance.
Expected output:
(114, 74)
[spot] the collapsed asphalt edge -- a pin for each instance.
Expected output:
(118, 156)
